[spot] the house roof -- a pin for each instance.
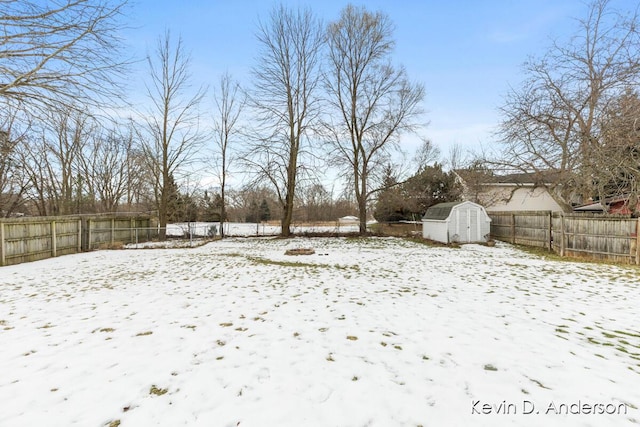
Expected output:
(440, 211)
(597, 206)
(591, 207)
(531, 178)
(519, 178)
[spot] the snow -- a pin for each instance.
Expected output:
(365, 332)
(237, 229)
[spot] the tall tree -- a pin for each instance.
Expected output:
(389, 206)
(426, 154)
(174, 134)
(65, 138)
(618, 156)
(375, 101)
(409, 200)
(553, 122)
(430, 186)
(13, 181)
(316, 203)
(60, 52)
(285, 97)
(109, 166)
(229, 103)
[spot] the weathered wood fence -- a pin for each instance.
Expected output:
(32, 239)
(611, 238)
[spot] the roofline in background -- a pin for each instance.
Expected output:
(513, 184)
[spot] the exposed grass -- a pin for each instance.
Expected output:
(631, 334)
(431, 243)
(539, 384)
(156, 391)
(265, 261)
(46, 326)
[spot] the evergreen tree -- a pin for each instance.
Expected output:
(264, 213)
(411, 199)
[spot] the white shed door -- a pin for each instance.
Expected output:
(468, 225)
(473, 225)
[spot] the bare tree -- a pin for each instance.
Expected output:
(53, 161)
(60, 52)
(375, 102)
(244, 202)
(316, 203)
(107, 166)
(228, 107)
(426, 154)
(617, 157)
(13, 181)
(553, 122)
(173, 133)
(285, 98)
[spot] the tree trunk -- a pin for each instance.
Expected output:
(362, 214)
(360, 185)
(163, 208)
(287, 216)
(223, 213)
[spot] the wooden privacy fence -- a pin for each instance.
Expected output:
(612, 238)
(32, 239)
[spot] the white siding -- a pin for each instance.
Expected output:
(435, 230)
(512, 198)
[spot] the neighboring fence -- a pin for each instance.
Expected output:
(100, 232)
(32, 239)
(523, 227)
(611, 238)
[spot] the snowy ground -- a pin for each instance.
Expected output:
(365, 332)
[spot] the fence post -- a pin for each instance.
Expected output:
(54, 240)
(513, 228)
(638, 241)
(2, 244)
(562, 237)
(79, 235)
(88, 234)
(550, 231)
(113, 230)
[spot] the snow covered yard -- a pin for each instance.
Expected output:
(365, 332)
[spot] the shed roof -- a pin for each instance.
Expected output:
(440, 211)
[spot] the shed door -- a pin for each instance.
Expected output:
(474, 225)
(463, 225)
(468, 225)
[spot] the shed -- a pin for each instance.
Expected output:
(461, 222)
(349, 219)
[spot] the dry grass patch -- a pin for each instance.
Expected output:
(300, 251)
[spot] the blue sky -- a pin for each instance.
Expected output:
(467, 53)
